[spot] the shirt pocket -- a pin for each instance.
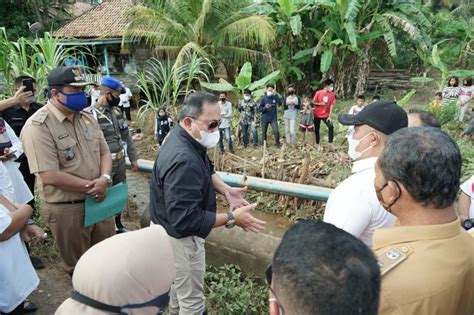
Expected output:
(68, 154)
(93, 141)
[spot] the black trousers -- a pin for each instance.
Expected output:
(28, 177)
(317, 125)
(126, 110)
(276, 132)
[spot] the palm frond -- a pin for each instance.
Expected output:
(237, 55)
(254, 29)
(387, 35)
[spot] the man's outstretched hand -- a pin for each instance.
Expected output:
(246, 221)
(234, 197)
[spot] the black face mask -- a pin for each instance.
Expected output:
(223, 99)
(114, 101)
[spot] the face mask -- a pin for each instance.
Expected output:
(380, 197)
(75, 101)
(269, 93)
(208, 139)
(115, 100)
(331, 88)
(247, 97)
(222, 99)
(353, 143)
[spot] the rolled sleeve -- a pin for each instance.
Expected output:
(183, 192)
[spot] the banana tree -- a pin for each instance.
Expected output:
(435, 61)
(351, 29)
(243, 81)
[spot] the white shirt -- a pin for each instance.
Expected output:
(467, 188)
(21, 190)
(353, 205)
(226, 114)
(17, 276)
(94, 96)
(125, 98)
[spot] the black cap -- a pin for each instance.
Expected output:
(384, 116)
(66, 76)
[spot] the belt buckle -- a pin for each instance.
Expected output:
(118, 155)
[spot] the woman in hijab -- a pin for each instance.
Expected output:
(130, 273)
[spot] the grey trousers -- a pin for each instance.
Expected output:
(187, 291)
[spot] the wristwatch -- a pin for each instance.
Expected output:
(230, 220)
(107, 177)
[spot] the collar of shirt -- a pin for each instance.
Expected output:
(364, 164)
(59, 114)
(187, 137)
(402, 234)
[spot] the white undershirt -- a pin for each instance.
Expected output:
(18, 278)
(466, 188)
(353, 205)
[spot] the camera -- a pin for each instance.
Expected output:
(468, 224)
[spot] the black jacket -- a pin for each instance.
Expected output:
(182, 197)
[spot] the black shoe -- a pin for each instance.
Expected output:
(36, 262)
(121, 230)
(29, 307)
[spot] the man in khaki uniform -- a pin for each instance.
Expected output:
(67, 152)
(426, 259)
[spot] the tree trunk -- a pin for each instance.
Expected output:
(363, 69)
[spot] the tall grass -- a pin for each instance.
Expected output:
(35, 58)
(164, 83)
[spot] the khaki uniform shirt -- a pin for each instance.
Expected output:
(52, 142)
(426, 269)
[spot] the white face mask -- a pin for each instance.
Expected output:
(331, 88)
(247, 97)
(269, 93)
(353, 143)
(208, 139)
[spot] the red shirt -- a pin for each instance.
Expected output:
(322, 111)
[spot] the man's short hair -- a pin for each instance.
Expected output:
(247, 91)
(439, 94)
(427, 118)
(427, 161)
(223, 92)
(328, 82)
(19, 80)
(361, 97)
(270, 85)
(321, 269)
(193, 104)
(376, 98)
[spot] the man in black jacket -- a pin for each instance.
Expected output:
(183, 198)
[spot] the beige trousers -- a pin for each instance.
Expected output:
(187, 291)
(66, 222)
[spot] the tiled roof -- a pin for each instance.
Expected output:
(107, 20)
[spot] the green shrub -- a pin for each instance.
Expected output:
(229, 291)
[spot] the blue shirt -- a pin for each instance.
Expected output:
(269, 114)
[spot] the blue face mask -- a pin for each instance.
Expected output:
(75, 101)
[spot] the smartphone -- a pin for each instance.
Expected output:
(28, 84)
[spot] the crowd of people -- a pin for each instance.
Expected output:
(390, 242)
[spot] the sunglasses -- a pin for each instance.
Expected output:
(213, 124)
(274, 298)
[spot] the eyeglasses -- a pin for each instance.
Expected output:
(213, 124)
(274, 299)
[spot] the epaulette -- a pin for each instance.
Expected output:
(39, 117)
(88, 110)
(391, 258)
